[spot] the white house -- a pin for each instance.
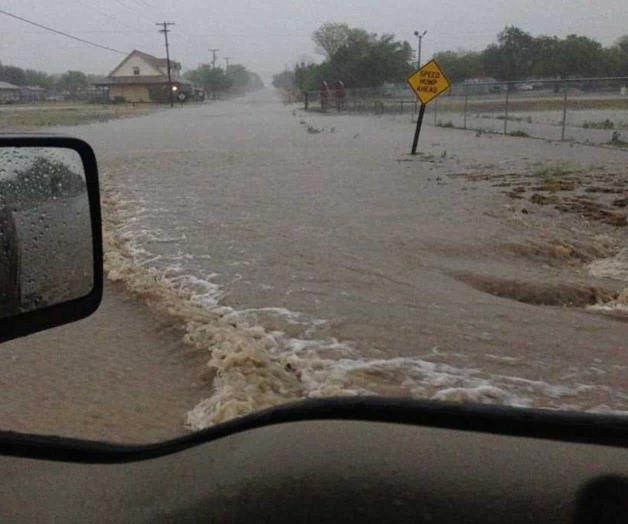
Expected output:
(9, 93)
(141, 77)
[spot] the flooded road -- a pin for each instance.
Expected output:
(310, 255)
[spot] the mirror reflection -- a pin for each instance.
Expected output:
(45, 229)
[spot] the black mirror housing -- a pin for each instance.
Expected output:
(66, 309)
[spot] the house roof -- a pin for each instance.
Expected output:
(6, 85)
(157, 62)
(150, 59)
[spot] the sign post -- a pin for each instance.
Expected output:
(419, 123)
(426, 83)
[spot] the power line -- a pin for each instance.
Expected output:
(67, 35)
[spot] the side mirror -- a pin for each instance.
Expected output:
(50, 233)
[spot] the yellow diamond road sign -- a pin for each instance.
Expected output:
(428, 82)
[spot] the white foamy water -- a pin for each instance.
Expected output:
(254, 367)
(615, 268)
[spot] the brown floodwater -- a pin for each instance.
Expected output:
(308, 255)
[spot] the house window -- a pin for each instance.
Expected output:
(136, 70)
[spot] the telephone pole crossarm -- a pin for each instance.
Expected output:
(214, 56)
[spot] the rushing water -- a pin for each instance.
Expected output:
(310, 256)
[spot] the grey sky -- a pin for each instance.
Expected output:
(265, 35)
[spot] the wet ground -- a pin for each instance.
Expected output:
(461, 274)
(28, 117)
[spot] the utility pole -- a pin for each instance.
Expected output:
(227, 58)
(420, 38)
(214, 54)
(164, 29)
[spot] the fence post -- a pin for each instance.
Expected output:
(466, 106)
(564, 123)
(307, 100)
(506, 109)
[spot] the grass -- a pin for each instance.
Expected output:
(617, 140)
(603, 124)
(44, 115)
(553, 170)
(527, 119)
(493, 105)
(519, 133)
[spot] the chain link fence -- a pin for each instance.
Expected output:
(588, 110)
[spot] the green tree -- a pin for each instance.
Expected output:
(617, 57)
(357, 57)
(285, 80)
(12, 75)
(460, 65)
(75, 82)
(239, 76)
(512, 58)
(212, 80)
(307, 77)
(330, 37)
(38, 78)
(580, 56)
(547, 57)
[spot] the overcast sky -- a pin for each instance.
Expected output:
(265, 35)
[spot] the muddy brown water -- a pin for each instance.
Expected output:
(328, 218)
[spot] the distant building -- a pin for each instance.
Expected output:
(32, 93)
(141, 77)
(482, 86)
(97, 93)
(9, 93)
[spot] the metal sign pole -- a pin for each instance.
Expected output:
(419, 123)
(426, 83)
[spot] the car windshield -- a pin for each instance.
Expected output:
(320, 199)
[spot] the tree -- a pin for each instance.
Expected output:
(331, 37)
(38, 78)
(580, 56)
(212, 80)
(73, 81)
(236, 78)
(355, 56)
(25, 77)
(12, 75)
(308, 76)
(285, 80)
(512, 58)
(255, 82)
(547, 57)
(460, 65)
(617, 57)
(239, 76)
